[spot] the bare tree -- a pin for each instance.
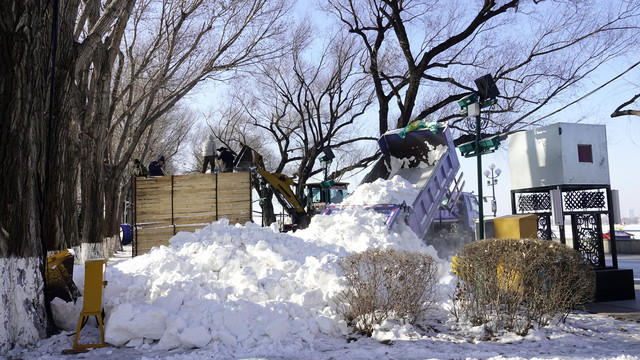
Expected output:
(155, 54)
(424, 55)
(620, 110)
(315, 100)
(30, 211)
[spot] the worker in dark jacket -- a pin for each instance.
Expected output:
(139, 170)
(156, 167)
(226, 159)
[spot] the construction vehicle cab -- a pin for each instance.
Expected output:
(318, 197)
(463, 214)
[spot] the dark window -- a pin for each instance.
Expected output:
(584, 153)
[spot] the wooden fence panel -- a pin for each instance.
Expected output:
(194, 199)
(233, 190)
(149, 237)
(153, 201)
(168, 204)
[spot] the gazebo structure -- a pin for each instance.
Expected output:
(560, 172)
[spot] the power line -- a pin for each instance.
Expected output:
(591, 92)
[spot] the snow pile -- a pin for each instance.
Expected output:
(434, 153)
(237, 286)
(240, 286)
(244, 287)
(393, 191)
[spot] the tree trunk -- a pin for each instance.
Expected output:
(92, 202)
(24, 41)
(113, 198)
(95, 164)
(63, 204)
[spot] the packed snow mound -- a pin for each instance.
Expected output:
(242, 287)
(434, 154)
(392, 191)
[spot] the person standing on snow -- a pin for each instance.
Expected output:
(156, 167)
(209, 154)
(226, 159)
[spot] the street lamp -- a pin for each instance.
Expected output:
(470, 106)
(325, 163)
(493, 180)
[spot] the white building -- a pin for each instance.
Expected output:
(559, 154)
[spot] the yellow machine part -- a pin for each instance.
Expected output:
(60, 277)
(280, 183)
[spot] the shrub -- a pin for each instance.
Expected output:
(386, 283)
(514, 284)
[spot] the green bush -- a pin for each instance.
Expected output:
(514, 284)
(384, 284)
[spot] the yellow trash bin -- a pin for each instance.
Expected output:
(519, 226)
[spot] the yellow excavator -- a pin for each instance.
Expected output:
(249, 160)
(316, 195)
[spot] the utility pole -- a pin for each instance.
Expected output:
(479, 171)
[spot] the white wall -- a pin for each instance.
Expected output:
(595, 173)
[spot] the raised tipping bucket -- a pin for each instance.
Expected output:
(415, 148)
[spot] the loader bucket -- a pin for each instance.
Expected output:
(60, 277)
(411, 149)
(247, 158)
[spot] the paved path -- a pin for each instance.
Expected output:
(628, 310)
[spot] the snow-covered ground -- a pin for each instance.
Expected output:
(240, 292)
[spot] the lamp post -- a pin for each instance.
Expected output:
(493, 180)
(470, 106)
(325, 163)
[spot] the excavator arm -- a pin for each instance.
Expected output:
(249, 160)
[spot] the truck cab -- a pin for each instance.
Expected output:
(464, 214)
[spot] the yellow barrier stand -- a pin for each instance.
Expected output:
(92, 304)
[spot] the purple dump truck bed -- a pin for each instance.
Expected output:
(425, 158)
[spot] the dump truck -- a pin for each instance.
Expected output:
(423, 154)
